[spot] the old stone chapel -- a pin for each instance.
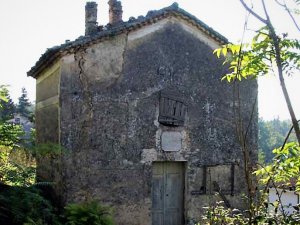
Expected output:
(147, 124)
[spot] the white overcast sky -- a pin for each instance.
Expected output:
(29, 27)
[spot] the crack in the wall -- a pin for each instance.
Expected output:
(83, 128)
(84, 81)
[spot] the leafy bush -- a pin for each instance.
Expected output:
(20, 205)
(88, 213)
(27, 206)
(219, 215)
(284, 169)
(17, 166)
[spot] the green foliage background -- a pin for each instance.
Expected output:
(272, 134)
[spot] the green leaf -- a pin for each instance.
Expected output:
(217, 52)
(224, 51)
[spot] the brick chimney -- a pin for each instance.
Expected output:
(115, 12)
(90, 18)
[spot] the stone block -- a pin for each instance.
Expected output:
(171, 141)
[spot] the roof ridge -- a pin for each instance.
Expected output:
(109, 30)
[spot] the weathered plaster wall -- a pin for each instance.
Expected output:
(47, 92)
(47, 124)
(109, 119)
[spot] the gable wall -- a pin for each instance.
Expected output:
(109, 118)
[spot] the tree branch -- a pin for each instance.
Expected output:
(289, 12)
(268, 21)
(253, 13)
(288, 135)
(276, 43)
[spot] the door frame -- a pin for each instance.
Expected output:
(184, 187)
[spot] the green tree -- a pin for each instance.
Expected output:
(20, 201)
(7, 108)
(271, 135)
(24, 105)
(268, 51)
(16, 167)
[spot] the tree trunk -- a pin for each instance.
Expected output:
(276, 44)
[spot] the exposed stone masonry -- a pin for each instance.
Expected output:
(133, 99)
(115, 12)
(91, 25)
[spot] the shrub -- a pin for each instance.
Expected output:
(19, 205)
(220, 215)
(88, 213)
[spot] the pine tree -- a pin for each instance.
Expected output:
(7, 108)
(24, 104)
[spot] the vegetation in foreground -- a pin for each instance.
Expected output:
(268, 52)
(22, 201)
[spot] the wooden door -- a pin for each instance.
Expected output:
(167, 193)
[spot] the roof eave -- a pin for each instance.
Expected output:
(52, 55)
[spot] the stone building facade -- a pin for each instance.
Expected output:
(146, 123)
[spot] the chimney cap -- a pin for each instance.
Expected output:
(91, 4)
(115, 12)
(91, 25)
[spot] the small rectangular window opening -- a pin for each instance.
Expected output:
(171, 110)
